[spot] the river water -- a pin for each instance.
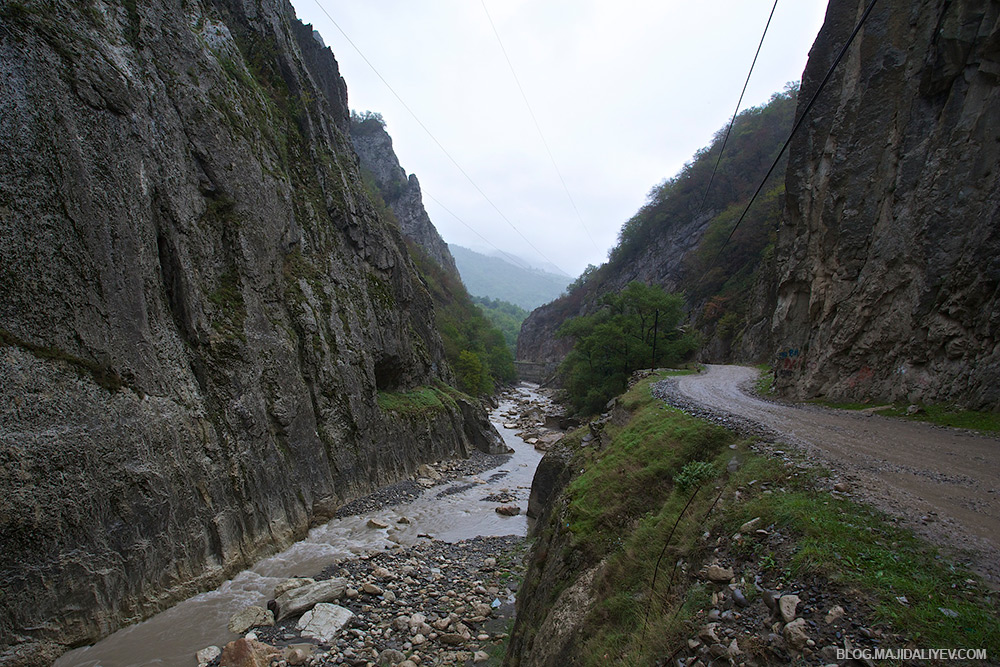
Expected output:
(172, 637)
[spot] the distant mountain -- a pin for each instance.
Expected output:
(498, 278)
(519, 260)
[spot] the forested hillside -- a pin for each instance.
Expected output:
(677, 239)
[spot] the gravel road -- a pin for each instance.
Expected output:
(942, 482)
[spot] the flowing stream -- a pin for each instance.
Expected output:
(172, 637)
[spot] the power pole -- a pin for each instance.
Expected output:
(656, 324)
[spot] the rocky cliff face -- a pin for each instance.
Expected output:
(401, 193)
(888, 262)
(200, 311)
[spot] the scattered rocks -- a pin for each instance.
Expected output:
(250, 617)
(795, 634)
(787, 605)
(290, 584)
(508, 510)
(834, 615)
(303, 598)
(739, 599)
(207, 655)
(718, 574)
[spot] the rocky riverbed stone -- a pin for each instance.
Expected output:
(324, 621)
(247, 653)
(788, 605)
(719, 574)
(250, 617)
(303, 598)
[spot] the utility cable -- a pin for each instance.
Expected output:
(537, 126)
(738, 103)
(434, 139)
(514, 260)
(798, 123)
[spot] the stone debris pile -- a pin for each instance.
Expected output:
(434, 603)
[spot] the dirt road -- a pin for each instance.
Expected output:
(944, 483)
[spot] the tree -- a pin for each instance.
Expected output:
(638, 327)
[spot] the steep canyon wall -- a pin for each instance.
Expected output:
(200, 311)
(888, 258)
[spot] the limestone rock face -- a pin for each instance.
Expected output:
(201, 308)
(888, 261)
(401, 193)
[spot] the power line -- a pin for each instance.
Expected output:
(434, 139)
(537, 126)
(514, 260)
(738, 103)
(798, 123)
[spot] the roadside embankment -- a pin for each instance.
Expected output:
(673, 539)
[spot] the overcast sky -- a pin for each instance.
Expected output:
(624, 91)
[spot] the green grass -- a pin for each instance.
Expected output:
(943, 415)
(764, 386)
(419, 402)
(621, 483)
(624, 505)
(853, 545)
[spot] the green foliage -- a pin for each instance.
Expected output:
(472, 377)
(638, 327)
(422, 401)
(366, 121)
(499, 278)
(694, 474)
(465, 331)
(507, 317)
(625, 504)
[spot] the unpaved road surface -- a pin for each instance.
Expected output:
(942, 482)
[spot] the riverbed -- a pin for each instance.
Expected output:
(448, 512)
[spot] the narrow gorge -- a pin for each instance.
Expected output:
(205, 321)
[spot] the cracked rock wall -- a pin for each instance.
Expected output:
(200, 309)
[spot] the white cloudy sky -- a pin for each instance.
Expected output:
(624, 91)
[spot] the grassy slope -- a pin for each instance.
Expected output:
(625, 504)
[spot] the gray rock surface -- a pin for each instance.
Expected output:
(887, 266)
(324, 621)
(201, 308)
(298, 600)
(250, 617)
(400, 192)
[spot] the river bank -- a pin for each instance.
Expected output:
(443, 504)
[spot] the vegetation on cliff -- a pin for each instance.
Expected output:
(638, 327)
(475, 349)
(504, 315)
(664, 495)
(677, 239)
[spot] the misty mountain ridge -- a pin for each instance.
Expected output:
(519, 260)
(500, 278)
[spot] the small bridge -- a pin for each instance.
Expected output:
(535, 371)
